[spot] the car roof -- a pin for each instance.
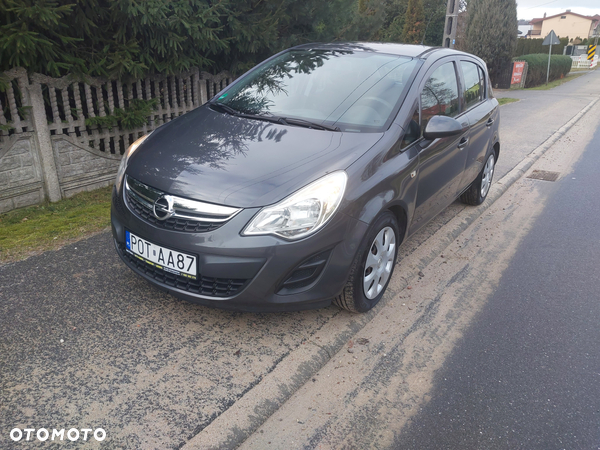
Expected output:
(412, 51)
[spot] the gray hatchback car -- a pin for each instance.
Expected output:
(295, 185)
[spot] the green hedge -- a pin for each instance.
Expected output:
(531, 46)
(121, 38)
(538, 65)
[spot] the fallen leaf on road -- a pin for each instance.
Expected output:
(238, 353)
(362, 341)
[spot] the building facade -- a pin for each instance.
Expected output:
(567, 24)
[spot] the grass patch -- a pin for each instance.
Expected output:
(505, 100)
(34, 229)
(583, 70)
(553, 84)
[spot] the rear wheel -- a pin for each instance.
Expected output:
(479, 189)
(373, 266)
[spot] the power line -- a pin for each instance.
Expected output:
(543, 4)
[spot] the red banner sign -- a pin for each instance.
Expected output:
(517, 74)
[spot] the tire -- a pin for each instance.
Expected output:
(477, 192)
(376, 255)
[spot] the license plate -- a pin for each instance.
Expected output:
(171, 261)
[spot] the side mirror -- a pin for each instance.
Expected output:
(441, 127)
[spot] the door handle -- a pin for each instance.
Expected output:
(489, 123)
(463, 142)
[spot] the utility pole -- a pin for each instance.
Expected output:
(451, 23)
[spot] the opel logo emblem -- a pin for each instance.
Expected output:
(163, 207)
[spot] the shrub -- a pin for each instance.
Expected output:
(538, 65)
(491, 33)
(530, 46)
(122, 38)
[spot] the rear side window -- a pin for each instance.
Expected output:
(440, 94)
(490, 91)
(473, 84)
(483, 83)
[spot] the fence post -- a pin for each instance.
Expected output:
(42, 134)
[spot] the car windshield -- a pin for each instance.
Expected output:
(352, 90)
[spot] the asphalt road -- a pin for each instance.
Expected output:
(527, 123)
(398, 383)
(526, 374)
(86, 343)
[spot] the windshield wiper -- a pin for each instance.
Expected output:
(228, 109)
(274, 119)
(307, 124)
(234, 112)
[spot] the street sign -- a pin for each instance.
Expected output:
(591, 51)
(551, 39)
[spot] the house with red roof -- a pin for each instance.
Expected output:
(567, 24)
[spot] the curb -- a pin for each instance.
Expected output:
(245, 416)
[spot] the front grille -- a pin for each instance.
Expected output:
(176, 213)
(211, 287)
(173, 223)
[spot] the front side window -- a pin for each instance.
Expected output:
(413, 131)
(473, 86)
(440, 94)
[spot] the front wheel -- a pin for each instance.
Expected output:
(477, 192)
(373, 266)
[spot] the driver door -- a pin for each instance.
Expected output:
(441, 161)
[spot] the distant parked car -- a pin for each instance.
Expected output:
(296, 184)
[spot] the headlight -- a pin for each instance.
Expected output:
(302, 213)
(125, 159)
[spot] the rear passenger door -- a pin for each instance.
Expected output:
(480, 112)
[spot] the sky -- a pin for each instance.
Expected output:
(530, 9)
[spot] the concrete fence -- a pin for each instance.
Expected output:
(48, 151)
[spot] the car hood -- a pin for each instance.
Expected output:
(213, 157)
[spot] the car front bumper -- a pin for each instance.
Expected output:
(248, 273)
